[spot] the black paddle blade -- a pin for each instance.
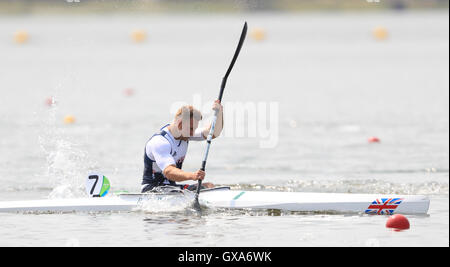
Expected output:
(196, 205)
(236, 54)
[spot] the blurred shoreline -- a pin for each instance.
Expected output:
(17, 7)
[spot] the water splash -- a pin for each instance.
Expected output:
(67, 163)
(160, 203)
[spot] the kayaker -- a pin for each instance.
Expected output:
(165, 151)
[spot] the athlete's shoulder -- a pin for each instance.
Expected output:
(158, 140)
(158, 145)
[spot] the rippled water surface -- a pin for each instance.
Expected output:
(333, 86)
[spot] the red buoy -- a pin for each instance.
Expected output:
(50, 101)
(398, 222)
(373, 139)
(128, 92)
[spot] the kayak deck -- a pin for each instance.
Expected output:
(236, 199)
(337, 202)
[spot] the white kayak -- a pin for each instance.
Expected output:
(237, 199)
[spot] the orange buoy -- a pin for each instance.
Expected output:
(21, 37)
(258, 34)
(398, 222)
(380, 33)
(69, 119)
(374, 139)
(138, 36)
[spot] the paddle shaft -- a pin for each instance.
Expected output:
(222, 88)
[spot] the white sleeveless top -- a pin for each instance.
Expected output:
(165, 150)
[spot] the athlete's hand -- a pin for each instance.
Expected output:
(217, 106)
(198, 175)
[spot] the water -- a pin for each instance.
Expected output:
(334, 87)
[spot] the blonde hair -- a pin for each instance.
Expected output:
(188, 112)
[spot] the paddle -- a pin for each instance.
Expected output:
(213, 123)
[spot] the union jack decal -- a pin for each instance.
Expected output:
(384, 206)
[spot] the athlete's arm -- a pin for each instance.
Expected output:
(202, 134)
(219, 122)
(177, 175)
(161, 149)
